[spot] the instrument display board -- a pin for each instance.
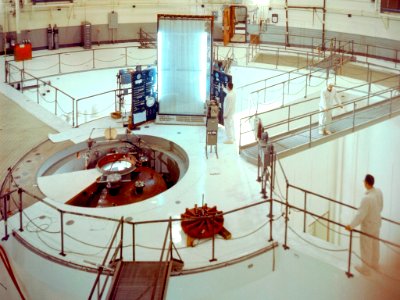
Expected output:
(144, 95)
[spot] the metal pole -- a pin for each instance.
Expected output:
(55, 101)
(285, 246)
(5, 215)
(305, 89)
(323, 25)
(77, 113)
(122, 239)
(287, 25)
(310, 129)
(369, 92)
(259, 165)
(6, 70)
(271, 189)
(288, 120)
(20, 208)
(277, 59)
(305, 214)
(170, 237)
(62, 232)
(22, 81)
(213, 242)
(283, 93)
(133, 243)
(59, 63)
(37, 91)
(348, 273)
(354, 115)
(126, 56)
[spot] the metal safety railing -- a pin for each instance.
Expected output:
(306, 211)
(367, 51)
(289, 117)
(7, 197)
(104, 265)
(27, 75)
(292, 199)
(287, 203)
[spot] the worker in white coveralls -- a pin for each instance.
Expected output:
(369, 216)
(328, 95)
(229, 111)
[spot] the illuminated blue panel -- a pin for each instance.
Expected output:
(184, 63)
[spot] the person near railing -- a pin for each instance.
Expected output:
(229, 111)
(328, 95)
(369, 216)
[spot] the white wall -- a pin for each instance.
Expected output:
(365, 19)
(337, 169)
(374, 150)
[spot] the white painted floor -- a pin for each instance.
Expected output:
(228, 182)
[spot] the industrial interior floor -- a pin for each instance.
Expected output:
(227, 181)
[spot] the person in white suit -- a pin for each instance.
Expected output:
(369, 216)
(229, 111)
(328, 95)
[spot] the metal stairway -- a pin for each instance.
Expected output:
(146, 40)
(140, 280)
(333, 61)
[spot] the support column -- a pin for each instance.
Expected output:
(287, 24)
(17, 29)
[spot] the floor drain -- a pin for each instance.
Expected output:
(178, 202)
(70, 222)
(28, 161)
(42, 217)
(147, 126)
(250, 266)
(37, 153)
(179, 132)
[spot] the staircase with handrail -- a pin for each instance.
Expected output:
(146, 40)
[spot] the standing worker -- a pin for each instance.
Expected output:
(325, 104)
(369, 216)
(229, 111)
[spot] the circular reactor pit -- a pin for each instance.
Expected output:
(129, 169)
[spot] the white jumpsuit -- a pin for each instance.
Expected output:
(325, 103)
(369, 216)
(229, 111)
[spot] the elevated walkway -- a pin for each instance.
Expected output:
(291, 133)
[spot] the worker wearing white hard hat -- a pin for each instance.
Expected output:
(369, 216)
(328, 95)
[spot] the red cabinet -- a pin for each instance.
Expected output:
(22, 52)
